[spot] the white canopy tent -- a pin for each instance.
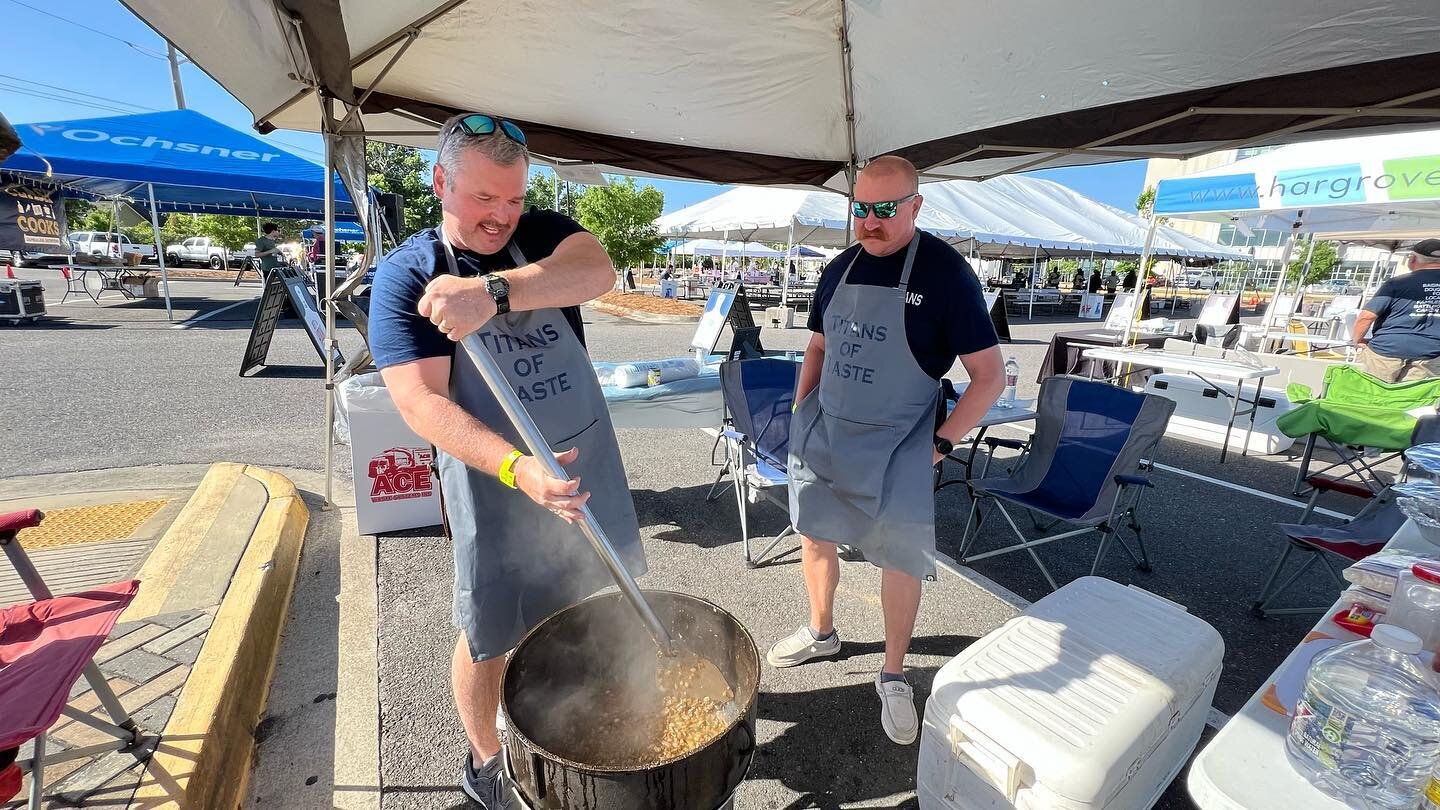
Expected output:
(1381, 190)
(852, 80)
(1013, 216)
(715, 247)
(787, 93)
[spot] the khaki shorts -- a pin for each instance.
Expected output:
(1397, 369)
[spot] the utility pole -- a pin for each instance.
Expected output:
(175, 76)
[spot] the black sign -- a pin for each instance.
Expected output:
(31, 218)
(995, 303)
(285, 284)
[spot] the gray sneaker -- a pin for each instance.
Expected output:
(484, 785)
(799, 647)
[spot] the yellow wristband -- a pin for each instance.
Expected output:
(507, 468)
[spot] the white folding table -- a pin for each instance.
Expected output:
(1245, 767)
(1206, 369)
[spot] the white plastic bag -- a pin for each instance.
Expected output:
(362, 392)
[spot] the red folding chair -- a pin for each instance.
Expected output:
(46, 645)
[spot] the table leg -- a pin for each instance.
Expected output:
(1229, 426)
(1254, 409)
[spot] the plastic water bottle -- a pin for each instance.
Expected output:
(1367, 728)
(1012, 382)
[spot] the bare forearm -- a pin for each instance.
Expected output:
(1362, 326)
(450, 428)
(972, 406)
(810, 371)
(578, 271)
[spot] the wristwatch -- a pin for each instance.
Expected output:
(943, 446)
(499, 289)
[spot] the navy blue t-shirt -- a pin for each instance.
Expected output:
(398, 334)
(1407, 316)
(945, 314)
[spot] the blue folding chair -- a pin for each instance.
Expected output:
(1082, 467)
(758, 395)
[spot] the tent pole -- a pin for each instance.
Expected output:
(1305, 268)
(330, 341)
(785, 267)
(1144, 260)
(1034, 263)
(160, 253)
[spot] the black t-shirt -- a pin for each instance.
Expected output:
(398, 334)
(945, 314)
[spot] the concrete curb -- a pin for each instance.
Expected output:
(203, 760)
(637, 315)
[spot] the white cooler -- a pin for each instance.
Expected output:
(1092, 698)
(1201, 412)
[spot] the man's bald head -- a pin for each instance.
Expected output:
(887, 179)
(892, 166)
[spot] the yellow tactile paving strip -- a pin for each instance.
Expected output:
(89, 524)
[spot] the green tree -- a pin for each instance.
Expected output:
(1146, 200)
(622, 216)
(1322, 264)
(540, 192)
(402, 170)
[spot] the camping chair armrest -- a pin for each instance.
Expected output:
(1134, 481)
(1325, 483)
(735, 436)
(994, 441)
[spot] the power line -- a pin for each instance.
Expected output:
(141, 48)
(111, 99)
(53, 97)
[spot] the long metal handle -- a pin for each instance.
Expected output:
(540, 449)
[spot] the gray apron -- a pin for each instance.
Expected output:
(862, 443)
(516, 563)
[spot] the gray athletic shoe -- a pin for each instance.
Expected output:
(799, 647)
(484, 785)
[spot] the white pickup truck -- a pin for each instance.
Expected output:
(204, 250)
(103, 243)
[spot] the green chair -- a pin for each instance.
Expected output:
(1358, 411)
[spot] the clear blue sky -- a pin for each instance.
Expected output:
(55, 69)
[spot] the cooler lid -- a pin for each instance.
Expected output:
(1077, 692)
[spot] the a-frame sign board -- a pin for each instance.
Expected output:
(281, 285)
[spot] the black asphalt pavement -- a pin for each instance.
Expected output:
(116, 385)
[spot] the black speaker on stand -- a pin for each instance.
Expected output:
(392, 214)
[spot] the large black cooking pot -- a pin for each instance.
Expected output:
(555, 687)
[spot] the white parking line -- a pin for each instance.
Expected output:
(199, 318)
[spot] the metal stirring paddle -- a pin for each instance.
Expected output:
(708, 680)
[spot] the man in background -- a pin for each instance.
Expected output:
(1403, 321)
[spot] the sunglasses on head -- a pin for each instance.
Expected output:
(883, 210)
(479, 124)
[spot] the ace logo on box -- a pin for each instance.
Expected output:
(400, 473)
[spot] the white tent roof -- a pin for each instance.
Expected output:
(1006, 216)
(716, 247)
(1377, 188)
(760, 92)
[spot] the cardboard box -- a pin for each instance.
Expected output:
(394, 486)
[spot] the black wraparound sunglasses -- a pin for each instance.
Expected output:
(883, 210)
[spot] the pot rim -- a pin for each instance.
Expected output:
(511, 729)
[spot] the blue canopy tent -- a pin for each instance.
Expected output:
(174, 162)
(344, 232)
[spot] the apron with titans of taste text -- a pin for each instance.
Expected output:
(862, 443)
(516, 563)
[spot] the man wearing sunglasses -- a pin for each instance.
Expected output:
(891, 316)
(516, 281)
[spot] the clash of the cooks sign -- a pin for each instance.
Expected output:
(31, 217)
